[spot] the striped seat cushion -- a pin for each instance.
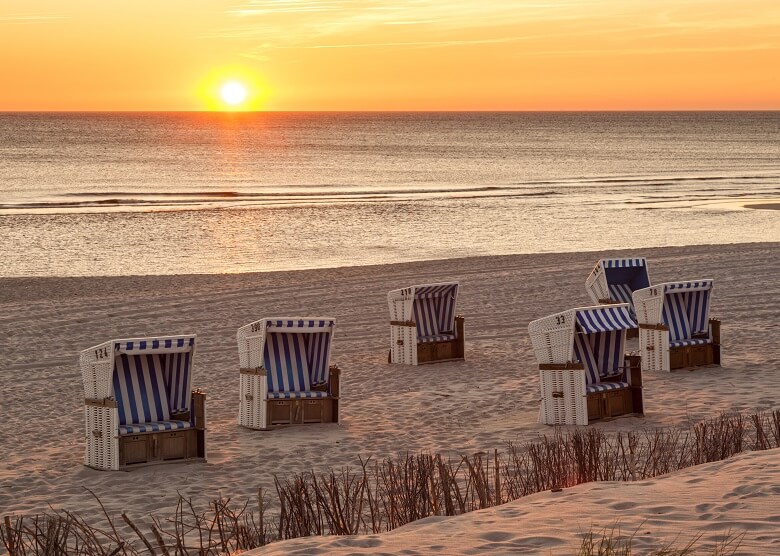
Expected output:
(436, 338)
(605, 386)
(139, 389)
(689, 342)
(296, 395)
(154, 426)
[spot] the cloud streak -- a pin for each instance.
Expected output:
(28, 19)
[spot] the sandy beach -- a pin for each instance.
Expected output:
(452, 408)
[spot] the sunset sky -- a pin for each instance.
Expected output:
(390, 54)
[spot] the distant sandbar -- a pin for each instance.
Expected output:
(765, 206)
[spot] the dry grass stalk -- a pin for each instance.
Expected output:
(382, 496)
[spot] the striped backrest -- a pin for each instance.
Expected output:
(178, 379)
(317, 348)
(686, 308)
(286, 362)
(625, 276)
(584, 354)
(620, 292)
(603, 329)
(139, 388)
(434, 309)
(608, 349)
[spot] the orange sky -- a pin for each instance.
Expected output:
(391, 54)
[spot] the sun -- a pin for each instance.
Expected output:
(233, 93)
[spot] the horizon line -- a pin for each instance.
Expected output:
(386, 111)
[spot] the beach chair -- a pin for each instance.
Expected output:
(584, 373)
(139, 403)
(615, 280)
(675, 328)
(286, 377)
(423, 324)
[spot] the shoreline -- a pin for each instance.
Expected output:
(73, 282)
(455, 407)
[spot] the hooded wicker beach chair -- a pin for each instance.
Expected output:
(139, 403)
(423, 324)
(584, 373)
(286, 376)
(615, 280)
(675, 328)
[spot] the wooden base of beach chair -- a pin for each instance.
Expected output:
(167, 446)
(301, 412)
(437, 352)
(615, 403)
(160, 447)
(603, 405)
(685, 357)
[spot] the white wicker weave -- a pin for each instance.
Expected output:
(563, 390)
(404, 338)
(552, 338)
(653, 342)
(253, 387)
(596, 283)
(572, 408)
(101, 416)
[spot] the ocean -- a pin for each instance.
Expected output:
(94, 194)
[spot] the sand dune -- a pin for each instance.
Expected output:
(735, 496)
(458, 407)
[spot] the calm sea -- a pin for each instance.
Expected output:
(170, 193)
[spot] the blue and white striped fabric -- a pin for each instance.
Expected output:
(584, 354)
(178, 380)
(286, 362)
(184, 343)
(606, 386)
(436, 338)
(317, 347)
(434, 311)
(296, 395)
(139, 389)
(154, 427)
(690, 342)
(623, 263)
(620, 292)
(625, 276)
(599, 340)
(686, 309)
(301, 323)
(605, 319)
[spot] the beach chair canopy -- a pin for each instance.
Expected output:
(685, 310)
(433, 310)
(621, 277)
(151, 381)
(294, 352)
(593, 336)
